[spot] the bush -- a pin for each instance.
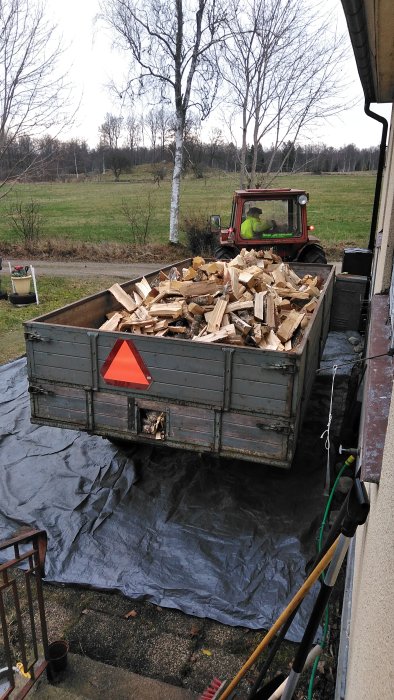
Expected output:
(200, 240)
(137, 218)
(26, 220)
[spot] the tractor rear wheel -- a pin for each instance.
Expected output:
(225, 253)
(314, 255)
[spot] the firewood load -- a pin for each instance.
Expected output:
(253, 300)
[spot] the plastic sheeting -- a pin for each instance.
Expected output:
(223, 539)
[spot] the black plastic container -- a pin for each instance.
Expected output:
(357, 261)
(57, 656)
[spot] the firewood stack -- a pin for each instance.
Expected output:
(253, 300)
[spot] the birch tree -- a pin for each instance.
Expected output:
(33, 91)
(170, 43)
(283, 67)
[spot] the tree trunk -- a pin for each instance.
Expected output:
(254, 166)
(243, 172)
(176, 181)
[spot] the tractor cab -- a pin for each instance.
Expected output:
(268, 219)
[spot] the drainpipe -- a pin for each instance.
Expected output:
(379, 175)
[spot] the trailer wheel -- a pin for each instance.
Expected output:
(314, 255)
(225, 253)
(22, 299)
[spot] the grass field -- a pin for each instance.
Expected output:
(54, 292)
(340, 208)
(91, 211)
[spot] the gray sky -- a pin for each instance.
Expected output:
(92, 64)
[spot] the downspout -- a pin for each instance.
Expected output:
(379, 175)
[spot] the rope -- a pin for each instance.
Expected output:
(326, 434)
(355, 362)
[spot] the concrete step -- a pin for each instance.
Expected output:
(85, 679)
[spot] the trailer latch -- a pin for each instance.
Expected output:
(289, 369)
(34, 389)
(33, 335)
(284, 429)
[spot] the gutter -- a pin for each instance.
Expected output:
(379, 174)
(358, 31)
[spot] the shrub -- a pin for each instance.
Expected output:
(138, 219)
(200, 239)
(26, 221)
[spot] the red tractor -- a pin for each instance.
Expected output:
(269, 219)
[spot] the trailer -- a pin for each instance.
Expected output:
(238, 402)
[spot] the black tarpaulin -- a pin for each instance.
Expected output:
(223, 539)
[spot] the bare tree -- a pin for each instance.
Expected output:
(152, 123)
(110, 131)
(283, 67)
(215, 140)
(33, 93)
(133, 132)
(114, 157)
(171, 43)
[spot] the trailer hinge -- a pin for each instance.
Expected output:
(284, 429)
(34, 389)
(36, 336)
(289, 369)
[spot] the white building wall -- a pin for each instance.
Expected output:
(386, 220)
(371, 648)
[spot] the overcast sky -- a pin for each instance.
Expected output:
(91, 64)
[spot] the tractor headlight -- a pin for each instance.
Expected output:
(302, 199)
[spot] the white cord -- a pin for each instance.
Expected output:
(326, 434)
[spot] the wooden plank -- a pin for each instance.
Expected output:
(197, 262)
(173, 310)
(193, 289)
(195, 309)
(189, 274)
(143, 288)
(259, 305)
(237, 289)
(112, 323)
(240, 305)
(240, 324)
(310, 306)
(122, 297)
(270, 311)
(216, 337)
(289, 326)
(216, 316)
(273, 342)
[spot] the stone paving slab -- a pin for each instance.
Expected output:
(89, 680)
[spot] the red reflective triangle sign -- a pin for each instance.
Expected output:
(124, 366)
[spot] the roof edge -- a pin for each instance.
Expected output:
(357, 25)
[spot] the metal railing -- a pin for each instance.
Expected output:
(24, 652)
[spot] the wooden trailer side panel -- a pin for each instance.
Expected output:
(240, 402)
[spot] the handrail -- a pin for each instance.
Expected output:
(21, 591)
(42, 540)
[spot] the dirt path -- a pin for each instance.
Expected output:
(87, 269)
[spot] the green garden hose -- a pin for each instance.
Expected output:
(348, 462)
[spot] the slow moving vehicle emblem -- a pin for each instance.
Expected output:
(124, 366)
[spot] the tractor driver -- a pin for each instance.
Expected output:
(252, 226)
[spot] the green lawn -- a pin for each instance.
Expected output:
(54, 292)
(340, 205)
(340, 208)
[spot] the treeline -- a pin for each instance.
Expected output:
(51, 159)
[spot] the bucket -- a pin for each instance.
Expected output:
(57, 655)
(22, 284)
